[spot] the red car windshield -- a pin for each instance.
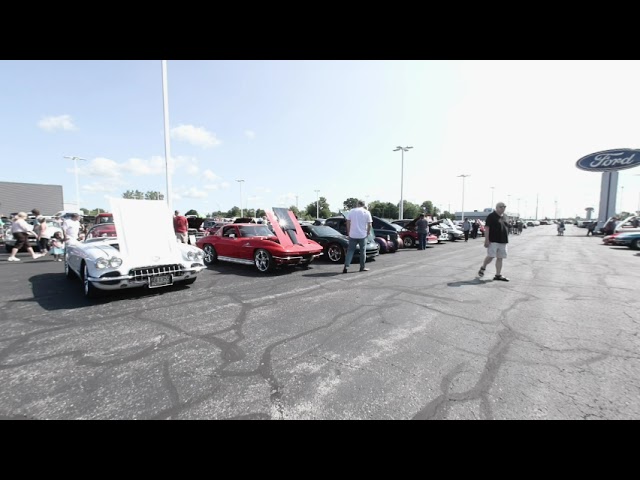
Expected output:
(255, 231)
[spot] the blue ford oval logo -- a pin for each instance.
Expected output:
(609, 160)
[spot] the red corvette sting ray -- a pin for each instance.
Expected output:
(281, 243)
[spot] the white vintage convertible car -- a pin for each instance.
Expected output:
(129, 257)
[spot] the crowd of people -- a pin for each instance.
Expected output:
(49, 239)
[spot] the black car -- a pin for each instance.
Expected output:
(381, 228)
(335, 244)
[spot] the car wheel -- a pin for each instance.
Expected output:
(210, 255)
(90, 291)
(335, 253)
(263, 260)
(67, 269)
(452, 237)
(636, 244)
(408, 242)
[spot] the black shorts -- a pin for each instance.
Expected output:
(22, 239)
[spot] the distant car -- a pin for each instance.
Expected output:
(409, 237)
(437, 234)
(131, 260)
(284, 243)
(381, 229)
(335, 244)
(628, 239)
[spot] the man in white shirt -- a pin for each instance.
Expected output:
(358, 227)
(71, 228)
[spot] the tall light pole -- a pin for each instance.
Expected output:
(463, 177)
(492, 190)
(317, 204)
(167, 145)
(75, 160)
(402, 149)
(241, 210)
(519, 208)
(621, 195)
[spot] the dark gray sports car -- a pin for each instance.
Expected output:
(335, 244)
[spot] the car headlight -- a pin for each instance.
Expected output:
(113, 262)
(102, 263)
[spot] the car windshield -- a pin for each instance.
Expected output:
(324, 231)
(255, 231)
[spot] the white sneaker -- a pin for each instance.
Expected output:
(13, 259)
(37, 255)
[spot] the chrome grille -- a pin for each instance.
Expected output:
(143, 273)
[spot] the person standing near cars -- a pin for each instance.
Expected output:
(466, 228)
(496, 238)
(71, 228)
(180, 226)
(42, 230)
(422, 229)
(359, 223)
(20, 230)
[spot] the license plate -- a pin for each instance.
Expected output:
(160, 281)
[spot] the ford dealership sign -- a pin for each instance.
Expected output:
(610, 160)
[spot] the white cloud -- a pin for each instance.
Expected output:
(197, 136)
(61, 122)
(210, 176)
(250, 134)
(191, 192)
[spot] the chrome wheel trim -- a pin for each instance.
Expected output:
(209, 254)
(261, 259)
(334, 253)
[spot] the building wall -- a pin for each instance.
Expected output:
(23, 197)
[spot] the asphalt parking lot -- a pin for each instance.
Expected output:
(419, 336)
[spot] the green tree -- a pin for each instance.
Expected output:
(410, 210)
(192, 212)
(350, 203)
(153, 195)
(234, 212)
(428, 208)
(323, 206)
(260, 213)
(131, 194)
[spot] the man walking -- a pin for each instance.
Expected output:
(466, 228)
(496, 237)
(358, 228)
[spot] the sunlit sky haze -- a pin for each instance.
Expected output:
(288, 128)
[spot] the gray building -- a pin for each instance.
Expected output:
(23, 197)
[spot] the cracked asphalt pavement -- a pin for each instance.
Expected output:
(419, 337)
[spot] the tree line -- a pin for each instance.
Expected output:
(310, 212)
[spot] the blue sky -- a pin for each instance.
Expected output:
(288, 128)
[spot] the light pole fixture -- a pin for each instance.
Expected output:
(463, 177)
(317, 204)
(167, 143)
(241, 210)
(402, 149)
(492, 191)
(75, 160)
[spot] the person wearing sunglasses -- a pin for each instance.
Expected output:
(496, 238)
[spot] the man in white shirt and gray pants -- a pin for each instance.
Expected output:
(358, 227)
